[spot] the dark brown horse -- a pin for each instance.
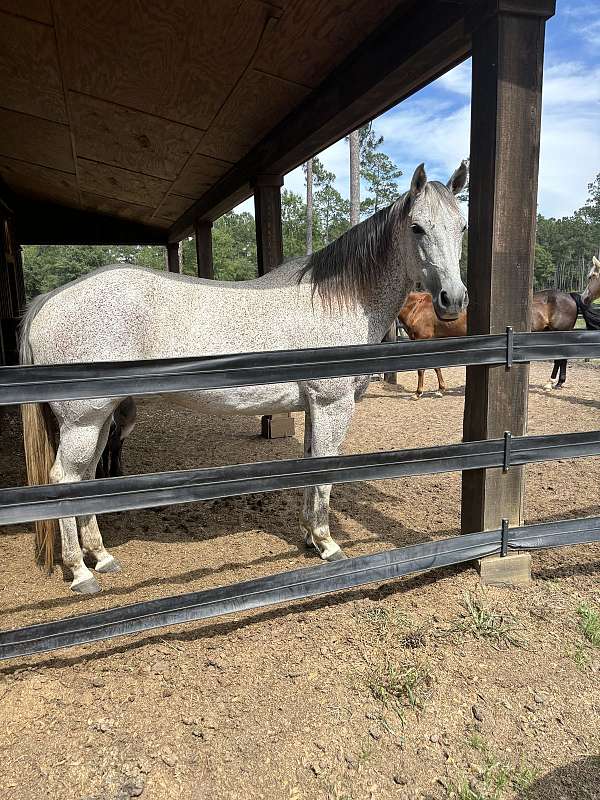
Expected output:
(557, 311)
(552, 310)
(121, 426)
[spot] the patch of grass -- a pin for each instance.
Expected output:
(463, 791)
(589, 623)
(477, 742)
(496, 777)
(485, 623)
(523, 778)
(400, 687)
(381, 622)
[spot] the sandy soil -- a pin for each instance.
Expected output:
(394, 691)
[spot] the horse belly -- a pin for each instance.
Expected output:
(250, 400)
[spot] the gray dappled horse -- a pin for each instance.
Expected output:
(348, 293)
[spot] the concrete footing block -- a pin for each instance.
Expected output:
(513, 569)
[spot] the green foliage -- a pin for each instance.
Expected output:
(293, 221)
(234, 247)
(572, 241)
(543, 271)
(378, 171)
(46, 267)
(331, 211)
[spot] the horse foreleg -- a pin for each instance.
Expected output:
(555, 368)
(419, 392)
(327, 423)
(441, 383)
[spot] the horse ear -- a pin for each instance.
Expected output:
(459, 178)
(596, 263)
(419, 179)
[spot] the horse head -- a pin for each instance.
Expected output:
(435, 232)
(592, 290)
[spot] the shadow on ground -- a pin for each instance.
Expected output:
(579, 780)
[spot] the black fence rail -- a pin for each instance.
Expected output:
(289, 586)
(117, 379)
(132, 492)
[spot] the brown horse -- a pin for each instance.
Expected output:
(419, 320)
(552, 310)
(557, 311)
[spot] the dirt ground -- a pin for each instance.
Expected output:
(427, 687)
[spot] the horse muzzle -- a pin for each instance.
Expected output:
(450, 304)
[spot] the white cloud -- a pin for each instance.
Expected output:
(457, 80)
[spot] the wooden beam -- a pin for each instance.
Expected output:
(204, 253)
(173, 258)
(38, 222)
(267, 210)
(409, 50)
(508, 50)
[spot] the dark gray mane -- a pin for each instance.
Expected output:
(348, 268)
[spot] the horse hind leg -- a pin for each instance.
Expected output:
(555, 369)
(562, 375)
(327, 426)
(75, 453)
(91, 538)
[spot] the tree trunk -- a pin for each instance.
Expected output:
(354, 178)
(309, 207)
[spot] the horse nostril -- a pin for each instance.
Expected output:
(444, 299)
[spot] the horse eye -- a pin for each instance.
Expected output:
(417, 229)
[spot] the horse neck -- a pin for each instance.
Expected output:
(394, 286)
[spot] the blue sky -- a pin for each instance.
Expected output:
(433, 125)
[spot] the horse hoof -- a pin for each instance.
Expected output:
(89, 586)
(108, 567)
(439, 394)
(339, 555)
(416, 397)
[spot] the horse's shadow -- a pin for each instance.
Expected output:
(579, 780)
(559, 394)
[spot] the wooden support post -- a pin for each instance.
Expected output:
(204, 254)
(508, 48)
(267, 210)
(269, 251)
(173, 258)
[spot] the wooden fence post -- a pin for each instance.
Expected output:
(269, 251)
(508, 48)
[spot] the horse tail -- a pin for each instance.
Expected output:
(39, 436)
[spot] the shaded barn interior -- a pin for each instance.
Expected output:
(142, 125)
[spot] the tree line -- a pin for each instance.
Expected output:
(563, 252)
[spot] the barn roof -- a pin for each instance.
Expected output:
(126, 121)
